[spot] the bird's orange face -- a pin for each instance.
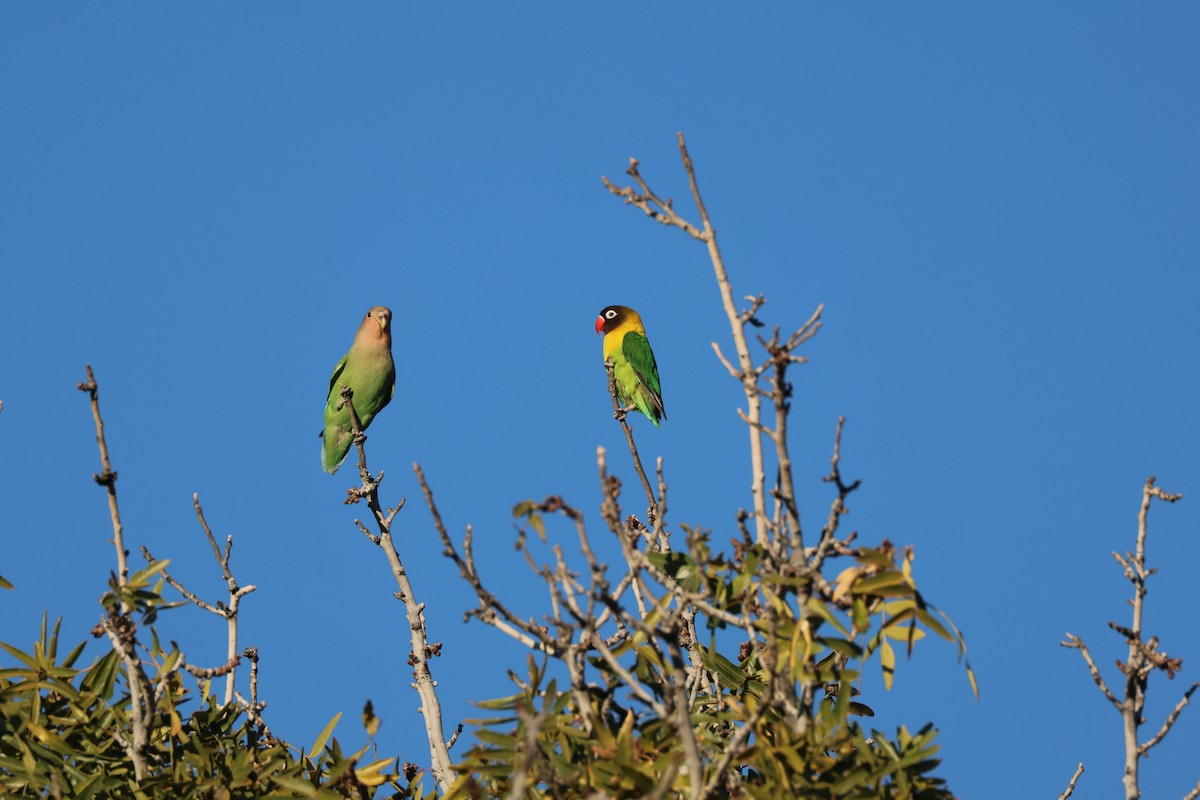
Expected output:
(382, 316)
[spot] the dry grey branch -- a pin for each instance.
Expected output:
(837, 509)
(422, 648)
(1143, 656)
(227, 611)
(206, 673)
(1071, 785)
(1076, 643)
(1144, 748)
(107, 478)
(119, 625)
(253, 707)
(491, 610)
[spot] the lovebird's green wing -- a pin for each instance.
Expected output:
(337, 435)
(337, 373)
(647, 394)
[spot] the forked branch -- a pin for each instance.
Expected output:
(422, 648)
(1143, 656)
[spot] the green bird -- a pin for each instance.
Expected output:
(369, 371)
(634, 370)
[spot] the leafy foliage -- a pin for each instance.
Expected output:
(64, 732)
(784, 707)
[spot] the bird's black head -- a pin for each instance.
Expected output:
(612, 317)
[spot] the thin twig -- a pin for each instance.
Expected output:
(1144, 748)
(203, 673)
(1071, 786)
(119, 626)
(1076, 643)
(236, 593)
(491, 610)
(837, 509)
(107, 478)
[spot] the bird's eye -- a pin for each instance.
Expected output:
(368, 313)
(610, 313)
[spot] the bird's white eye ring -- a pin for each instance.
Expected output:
(610, 313)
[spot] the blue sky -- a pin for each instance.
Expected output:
(997, 206)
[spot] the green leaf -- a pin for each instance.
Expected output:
(901, 634)
(887, 660)
(859, 614)
(731, 676)
(301, 787)
(143, 577)
(841, 646)
(817, 608)
(319, 744)
(21, 656)
(370, 721)
(535, 520)
(931, 622)
(874, 584)
(528, 509)
(679, 566)
(858, 709)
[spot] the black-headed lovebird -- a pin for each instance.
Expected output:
(369, 371)
(634, 370)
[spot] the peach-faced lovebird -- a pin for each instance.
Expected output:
(368, 370)
(634, 370)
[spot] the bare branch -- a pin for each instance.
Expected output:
(236, 593)
(206, 673)
(721, 357)
(491, 610)
(252, 706)
(422, 648)
(1143, 656)
(118, 625)
(1075, 642)
(179, 587)
(1144, 748)
(838, 508)
(1071, 786)
(649, 203)
(107, 478)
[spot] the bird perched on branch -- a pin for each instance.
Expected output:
(368, 370)
(634, 370)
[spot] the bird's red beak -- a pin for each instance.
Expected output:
(600, 326)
